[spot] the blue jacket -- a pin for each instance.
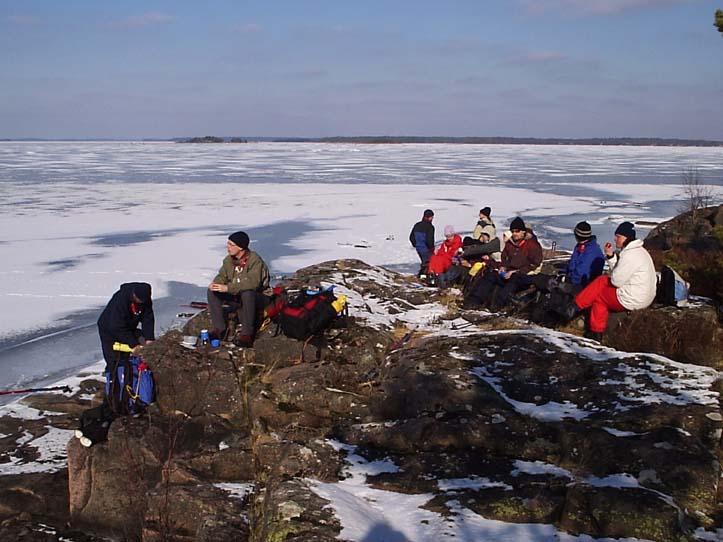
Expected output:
(422, 236)
(586, 263)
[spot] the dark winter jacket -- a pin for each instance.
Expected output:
(586, 263)
(476, 250)
(422, 235)
(250, 274)
(525, 256)
(118, 323)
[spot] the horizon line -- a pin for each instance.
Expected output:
(387, 139)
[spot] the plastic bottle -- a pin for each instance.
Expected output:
(339, 303)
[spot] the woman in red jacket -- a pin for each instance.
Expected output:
(441, 260)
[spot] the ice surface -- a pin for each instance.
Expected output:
(79, 218)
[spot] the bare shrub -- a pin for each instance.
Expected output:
(696, 194)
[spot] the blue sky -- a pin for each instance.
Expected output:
(540, 68)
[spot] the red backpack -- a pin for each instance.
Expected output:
(306, 314)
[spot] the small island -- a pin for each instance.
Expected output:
(212, 139)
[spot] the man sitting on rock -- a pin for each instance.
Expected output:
(587, 260)
(630, 286)
(239, 283)
(521, 259)
(586, 263)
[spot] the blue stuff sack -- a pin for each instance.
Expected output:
(133, 387)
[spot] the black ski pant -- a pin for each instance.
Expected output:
(244, 304)
(494, 292)
(424, 255)
(111, 356)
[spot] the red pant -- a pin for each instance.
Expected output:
(602, 296)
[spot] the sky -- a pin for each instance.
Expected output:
(521, 68)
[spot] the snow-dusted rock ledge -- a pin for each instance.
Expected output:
(416, 421)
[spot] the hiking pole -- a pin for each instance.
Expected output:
(65, 389)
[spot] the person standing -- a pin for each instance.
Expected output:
(422, 239)
(130, 306)
(630, 286)
(239, 283)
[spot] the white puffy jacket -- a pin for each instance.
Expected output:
(633, 274)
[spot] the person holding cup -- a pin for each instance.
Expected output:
(239, 283)
(631, 284)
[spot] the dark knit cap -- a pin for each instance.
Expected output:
(626, 229)
(583, 231)
(142, 291)
(240, 239)
(517, 224)
(485, 211)
(428, 213)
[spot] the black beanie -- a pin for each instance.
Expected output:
(626, 229)
(583, 231)
(518, 224)
(428, 213)
(142, 291)
(240, 239)
(485, 211)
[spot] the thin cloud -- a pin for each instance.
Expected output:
(144, 20)
(250, 28)
(24, 20)
(595, 7)
(537, 57)
(311, 73)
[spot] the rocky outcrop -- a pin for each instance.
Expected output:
(520, 425)
(411, 420)
(692, 244)
(691, 334)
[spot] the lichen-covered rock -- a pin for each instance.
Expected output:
(195, 513)
(691, 334)
(108, 482)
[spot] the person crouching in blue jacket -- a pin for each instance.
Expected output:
(422, 239)
(587, 260)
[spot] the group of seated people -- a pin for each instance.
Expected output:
(491, 275)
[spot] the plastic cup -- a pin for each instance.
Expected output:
(215, 343)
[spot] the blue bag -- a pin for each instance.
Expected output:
(131, 387)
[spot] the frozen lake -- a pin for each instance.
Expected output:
(79, 218)
(543, 167)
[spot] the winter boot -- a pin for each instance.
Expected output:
(243, 341)
(569, 312)
(594, 335)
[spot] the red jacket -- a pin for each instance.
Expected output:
(441, 260)
(524, 256)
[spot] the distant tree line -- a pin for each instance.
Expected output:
(212, 139)
(719, 20)
(632, 141)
